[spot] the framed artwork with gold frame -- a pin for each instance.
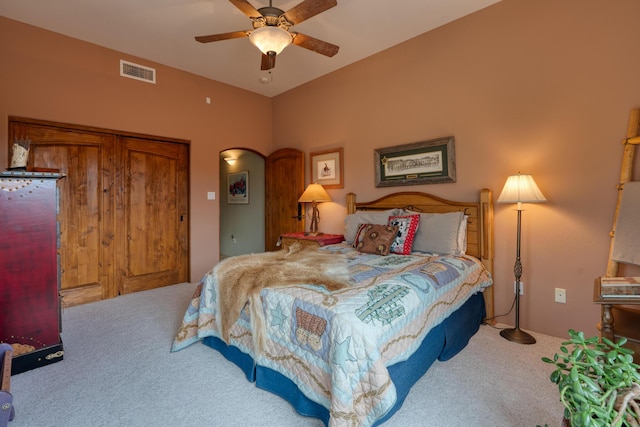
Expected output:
(327, 168)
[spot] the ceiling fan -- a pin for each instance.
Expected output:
(271, 29)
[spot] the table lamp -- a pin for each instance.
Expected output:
(314, 194)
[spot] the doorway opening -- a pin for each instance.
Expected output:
(242, 202)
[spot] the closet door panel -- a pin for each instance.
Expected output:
(153, 210)
(86, 211)
(124, 222)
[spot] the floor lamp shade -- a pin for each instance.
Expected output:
(314, 194)
(519, 189)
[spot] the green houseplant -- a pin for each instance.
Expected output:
(598, 382)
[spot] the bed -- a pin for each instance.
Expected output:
(349, 356)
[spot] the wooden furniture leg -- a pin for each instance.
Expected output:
(7, 411)
(607, 322)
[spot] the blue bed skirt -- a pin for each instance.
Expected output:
(441, 343)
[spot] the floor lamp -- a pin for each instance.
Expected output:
(314, 194)
(519, 189)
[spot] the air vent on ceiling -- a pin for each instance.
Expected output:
(138, 72)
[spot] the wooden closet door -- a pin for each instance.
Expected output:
(152, 214)
(86, 211)
(123, 217)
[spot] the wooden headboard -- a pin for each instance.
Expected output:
(479, 226)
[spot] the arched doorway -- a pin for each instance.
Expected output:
(242, 226)
(254, 223)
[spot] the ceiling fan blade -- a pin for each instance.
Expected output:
(246, 8)
(223, 36)
(316, 45)
(268, 61)
(307, 9)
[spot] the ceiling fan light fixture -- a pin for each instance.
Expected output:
(270, 39)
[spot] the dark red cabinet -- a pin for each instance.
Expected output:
(29, 277)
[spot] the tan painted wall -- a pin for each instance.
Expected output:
(44, 75)
(542, 87)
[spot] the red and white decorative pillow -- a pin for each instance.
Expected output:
(407, 228)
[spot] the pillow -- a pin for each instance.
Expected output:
(359, 235)
(377, 238)
(407, 227)
(352, 221)
(438, 233)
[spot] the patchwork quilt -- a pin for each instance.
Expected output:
(336, 346)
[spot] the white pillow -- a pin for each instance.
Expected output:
(352, 221)
(439, 233)
(462, 232)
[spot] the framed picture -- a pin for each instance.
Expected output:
(238, 188)
(327, 168)
(426, 162)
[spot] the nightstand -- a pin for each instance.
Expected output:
(307, 240)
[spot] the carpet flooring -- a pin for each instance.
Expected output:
(118, 371)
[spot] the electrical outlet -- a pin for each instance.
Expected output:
(561, 295)
(521, 287)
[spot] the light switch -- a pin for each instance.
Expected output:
(211, 195)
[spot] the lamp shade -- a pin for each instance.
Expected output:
(521, 189)
(314, 193)
(270, 39)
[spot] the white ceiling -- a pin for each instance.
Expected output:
(163, 31)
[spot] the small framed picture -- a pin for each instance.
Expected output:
(327, 168)
(238, 188)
